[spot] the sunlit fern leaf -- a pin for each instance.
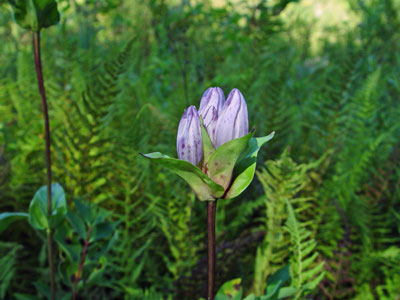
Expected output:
(306, 271)
(282, 180)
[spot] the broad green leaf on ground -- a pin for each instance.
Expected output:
(7, 218)
(38, 216)
(246, 166)
(35, 14)
(275, 282)
(204, 188)
(221, 163)
(231, 290)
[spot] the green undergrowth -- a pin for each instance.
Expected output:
(325, 202)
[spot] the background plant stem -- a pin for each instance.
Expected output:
(211, 212)
(82, 262)
(39, 74)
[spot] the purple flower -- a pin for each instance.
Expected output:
(189, 143)
(211, 105)
(233, 119)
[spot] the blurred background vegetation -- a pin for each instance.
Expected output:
(325, 75)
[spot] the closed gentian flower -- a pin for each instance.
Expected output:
(233, 120)
(211, 105)
(189, 143)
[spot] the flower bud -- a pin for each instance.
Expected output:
(189, 143)
(212, 118)
(233, 120)
(211, 105)
(213, 96)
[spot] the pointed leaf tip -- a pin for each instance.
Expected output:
(246, 166)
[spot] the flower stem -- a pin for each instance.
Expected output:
(39, 75)
(211, 212)
(82, 262)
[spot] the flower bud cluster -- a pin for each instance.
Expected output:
(223, 120)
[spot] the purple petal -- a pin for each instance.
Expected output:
(233, 120)
(189, 146)
(210, 121)
(213, 96)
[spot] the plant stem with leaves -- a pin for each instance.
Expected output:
(82, 262)
(39, 74)
(211, 212)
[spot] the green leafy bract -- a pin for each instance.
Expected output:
(208, 147)
(38, 216)
(204, 188)
(246, 166)
(35, 14)
(221, 163)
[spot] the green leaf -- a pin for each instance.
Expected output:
(43, 289)
(246, 166)
(97, 271)
(208, 147)
(204, 188)
(221, 163)
(231, 290)
(38, 216)
(275, 281)
(85, 211)
(64, 239)
(7, 218)
(35, 14)
(77, 224)
(101, 231)
(287, 292)
(251, 297)
(25, 297)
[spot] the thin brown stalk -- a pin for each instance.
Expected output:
(211, 212)
(82, 262)
(39, 75)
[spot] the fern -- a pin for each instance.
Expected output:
(282, 180)
(8, 261)
(306, 271)
(84, 146)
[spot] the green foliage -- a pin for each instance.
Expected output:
(38, 213)
(87, 232)
(204, 188)
(8, 218)
(245, 168)
(230, 290)
(221, 163)
(35, 14)
(284, 180)
(118, 75)
(8, 261)
(306, 274)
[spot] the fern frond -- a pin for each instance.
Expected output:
(306, 271)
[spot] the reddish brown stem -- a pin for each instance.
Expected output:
(82, 262)
(211, 212)
(39, 75)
